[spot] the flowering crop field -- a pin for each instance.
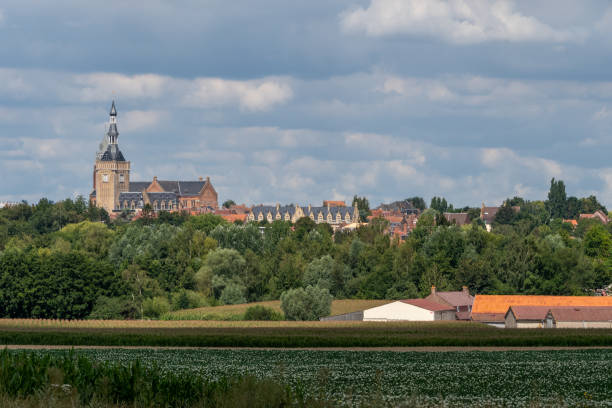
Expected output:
(471, 378)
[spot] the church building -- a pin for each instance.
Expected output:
(114, 191)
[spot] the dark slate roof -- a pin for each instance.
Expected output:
(139, 185)
(113, 111)
(112, 153)
(183, 188)
(315, 211)
(93, 193)
(162, 196)
(130, 196)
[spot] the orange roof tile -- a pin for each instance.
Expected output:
(501, 303)
(234, 217)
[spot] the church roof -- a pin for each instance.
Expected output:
(178, 187)
(139, 186)
(112, 153)
(113, 111)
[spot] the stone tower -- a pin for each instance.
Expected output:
(111, 171)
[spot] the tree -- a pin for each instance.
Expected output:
(363, 205)
(597, 242)
(319, 271)
(228, 203)
(557, 199)
(306, 304)
(233, 294)
(505, 214)
(417, 202)
(439, 204)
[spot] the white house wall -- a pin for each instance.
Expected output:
(398, 311)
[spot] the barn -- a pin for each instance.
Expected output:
(526, 317)
(492, 309)
(581, 317)
(416, 310)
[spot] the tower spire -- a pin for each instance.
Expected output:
(113, 133)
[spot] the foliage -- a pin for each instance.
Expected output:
(306, 304)
(259, 312)
(363, 205)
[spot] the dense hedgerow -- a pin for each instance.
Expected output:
(325, 336)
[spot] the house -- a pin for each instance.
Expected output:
(487, 214)
(573, 223)
(597, 215)
(492, 309)
(400, 225)
(415, 310)
(335, 216)
(526, 317)
(459, 219)
(461, 301)
(580, 317)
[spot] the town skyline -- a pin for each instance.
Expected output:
(383, 109)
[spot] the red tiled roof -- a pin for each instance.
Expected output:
(529, 312)
(456, 298)
(427, 305)
(501, 303)
(582, 314)
(234, 217)
(488, 317)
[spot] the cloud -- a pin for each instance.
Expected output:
(205, 93)
(454, 21)
(250, 95)
(137, 120)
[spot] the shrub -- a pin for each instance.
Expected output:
(259, 312)
(306, 304)
(188, 299)
(233, 294)
(155, 307)
(107, 308)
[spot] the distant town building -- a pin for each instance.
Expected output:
(459, 219)
(334, 216)
(114, 191)
(597, 215)
(487, 215)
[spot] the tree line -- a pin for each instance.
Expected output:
(69, 260)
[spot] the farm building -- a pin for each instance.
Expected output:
(415, 310)
(491, 309)
(460, 300)
(527, 317)
(580, 317)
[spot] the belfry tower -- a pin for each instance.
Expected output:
(111, 172)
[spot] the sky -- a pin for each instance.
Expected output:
(303, 101)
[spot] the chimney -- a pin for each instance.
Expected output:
(465, 290)
(208, 179)
(433, 290)
(155, 179)
(200, 178)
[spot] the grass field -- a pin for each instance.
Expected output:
(236, 312)
(289, 334)
(463, 379)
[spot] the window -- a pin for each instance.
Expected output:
(163, 205)
(132, 205)
(105, 178)
(121, 178)
(193, 203)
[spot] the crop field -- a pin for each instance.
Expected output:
(236, 312)
(289, 334)
(508, 379)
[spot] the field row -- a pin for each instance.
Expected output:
(283, 334)
(511, 379)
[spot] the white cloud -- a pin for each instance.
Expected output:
(455, 21)
(249, 95)
(136, 120)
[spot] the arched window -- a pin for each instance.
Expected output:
(163, 205)
(156, 205)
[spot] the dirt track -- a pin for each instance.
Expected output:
(395, 349)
